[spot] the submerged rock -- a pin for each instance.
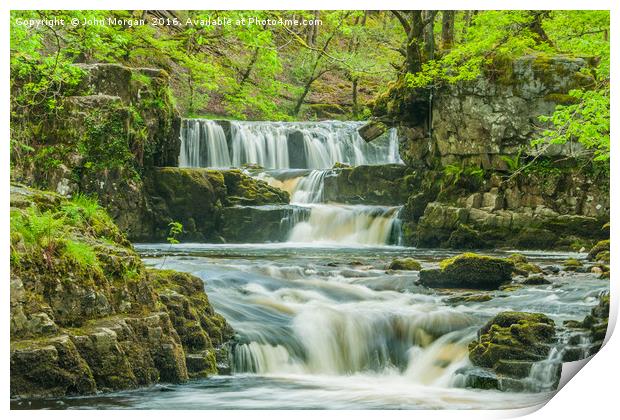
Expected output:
(469, 271)
(535, 281)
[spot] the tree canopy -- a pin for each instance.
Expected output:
(332, 65)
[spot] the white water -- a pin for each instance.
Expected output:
(196, 152)
(330, 328)
(345, 224)
(282, 145)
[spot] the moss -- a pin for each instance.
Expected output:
(522, 266)
(561, 98)
(600, 246)
(469, 270)
(572, 264)
(465, 237)
(94, 297)
(404, 264)
(512, 336)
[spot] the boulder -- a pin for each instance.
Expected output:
(512, 337)
(469, 271)
(372, 130)
(404, 264)
(600, 247)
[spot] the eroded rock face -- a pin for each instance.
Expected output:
(207, 202)
(479, 121)
(109, 129)
(368, 184)
(469, 271)
(87, 316)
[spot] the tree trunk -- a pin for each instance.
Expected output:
(447, 29)
(429, 34)
(355, 108)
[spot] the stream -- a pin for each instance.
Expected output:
(319, 322)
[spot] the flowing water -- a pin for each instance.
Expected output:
(329, 327)
(319, 321)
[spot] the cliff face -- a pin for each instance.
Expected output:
(468, 141)
(87, 316)
(102, 137)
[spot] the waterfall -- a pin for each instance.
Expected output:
(352, 225)
(282, 145)
(203, 144)
(351, 339)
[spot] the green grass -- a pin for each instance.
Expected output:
(81, 253)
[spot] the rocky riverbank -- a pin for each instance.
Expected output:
(87, 316)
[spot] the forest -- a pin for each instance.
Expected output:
(334, 70)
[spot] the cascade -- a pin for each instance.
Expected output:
(296, 157)
(281, 145)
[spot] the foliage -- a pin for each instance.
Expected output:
(513, 163)
(176, 228)
(586, 121)
(452, 174)
(81, 253)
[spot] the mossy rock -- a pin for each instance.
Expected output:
(465, 237)
(534, 238)
(469, 271)
(601, 246)
(535, 281)
(513, 336)
(404, 264)
(522, 266)
(572, 264)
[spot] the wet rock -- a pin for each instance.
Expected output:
(469, 271)
(404, 264)
(468, 298)
(572, 264)
(368, 184)
(600, 251)
(372, 130)
(522, 266)
(510, 342)
(535, 281)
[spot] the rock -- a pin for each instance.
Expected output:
(404, 264)
(601, 246)
(197, 197)
(469, 298)
(534, 238)
(512, 336)
(522, 266)
(469, 271)
(90, 317)
(385, 185)
(535, 281)
(372, 130)
(239, 224)
(572, 264)
(464, 237)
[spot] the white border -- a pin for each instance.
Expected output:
(591, 395)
